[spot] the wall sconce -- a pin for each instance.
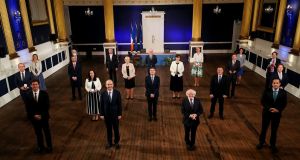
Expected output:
(89, 12)
(269, 9)
(217, 10)
(17, 15)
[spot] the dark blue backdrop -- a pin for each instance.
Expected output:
(3, 50)
(16, 25)
(290, 23)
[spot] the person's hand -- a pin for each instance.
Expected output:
(22, 88)
(107, 69)
(129, 78)
(230, 72)
(37, 117)
(281, 87)
(273, 110)
(234, 71)
(211, 96)
(224, 96)
(102, 117)
(119, 117)
(152, 95)
(116, 69)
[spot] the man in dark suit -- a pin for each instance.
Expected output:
(151, 60)
(152, 83)
(271, 68)
(233, 66)
(191, 109)
(274, 101)
(38, 110)
(22, 81)
(112, 65)
(218, 91)
(75, 75)
(111, 112)
(281, 76)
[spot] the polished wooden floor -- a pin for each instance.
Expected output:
(75, 136)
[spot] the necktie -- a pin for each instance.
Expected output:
(219, 79)
(110, 97)
(152, 79)
(22, 76)
(275, 93)
(35, 96)
(191, 103)
(74, 65)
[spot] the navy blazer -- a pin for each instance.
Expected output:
(77, 72)
(235, 67)
(152, 88)
(113, 63)
(111, 109)
(268, 101)
(219, 89)
(40, 107)
(283, 81)
(187, 109)
(151, 62)
(27, 80)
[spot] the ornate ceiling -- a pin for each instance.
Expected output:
(143, 2)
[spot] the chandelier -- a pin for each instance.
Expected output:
(269, 9)
(217, 10)
(89, 12)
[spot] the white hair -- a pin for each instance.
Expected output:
(190, 91)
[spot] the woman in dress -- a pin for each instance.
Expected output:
(176, 81)
(197, 69)
(93, 87)
(128, 72)
(36, 70)
(240, 57)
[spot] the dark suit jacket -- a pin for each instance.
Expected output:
(187, 109)
(268, 102)
(235, 67)
(283, 81)
(75, 73)
(278, 61)
(111, 109)
(41, 107)
(152, 88)
(219, 89)
(20, 83)
(111, 64)
(151, 62)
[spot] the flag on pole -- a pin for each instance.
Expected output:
(131, 38)
(141, 37)
(135, 38)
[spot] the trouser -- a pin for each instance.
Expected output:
(112, 124)
(190, 134)
(268, 83)
(152, 106)
(113, 75)
(41, 126)
(213, 104)
(267, 118)
(232, 83)
(73, 91)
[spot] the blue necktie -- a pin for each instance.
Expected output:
(275, 93)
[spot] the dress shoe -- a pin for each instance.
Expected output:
(39, 150)
(108, 146)
(259, 146)
(117, 146)
(221, 117)
(274, 149)
(149, 119)
(74, 98)
(154, 119)
(49, 150)
(191, 147)
(210, 116)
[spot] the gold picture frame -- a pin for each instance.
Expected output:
(262, 28)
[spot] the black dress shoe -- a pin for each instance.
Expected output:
(108, 146)
(274, 149)
(222, 117)
(117, 146)
(210, 116)
(259, 146)
(149, 119)
(39, 150)
(48, 150)
(154, 119)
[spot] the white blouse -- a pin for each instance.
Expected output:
(198, 58)
(173, 68)
(131, 70)
(36, 68)
(88, 85)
